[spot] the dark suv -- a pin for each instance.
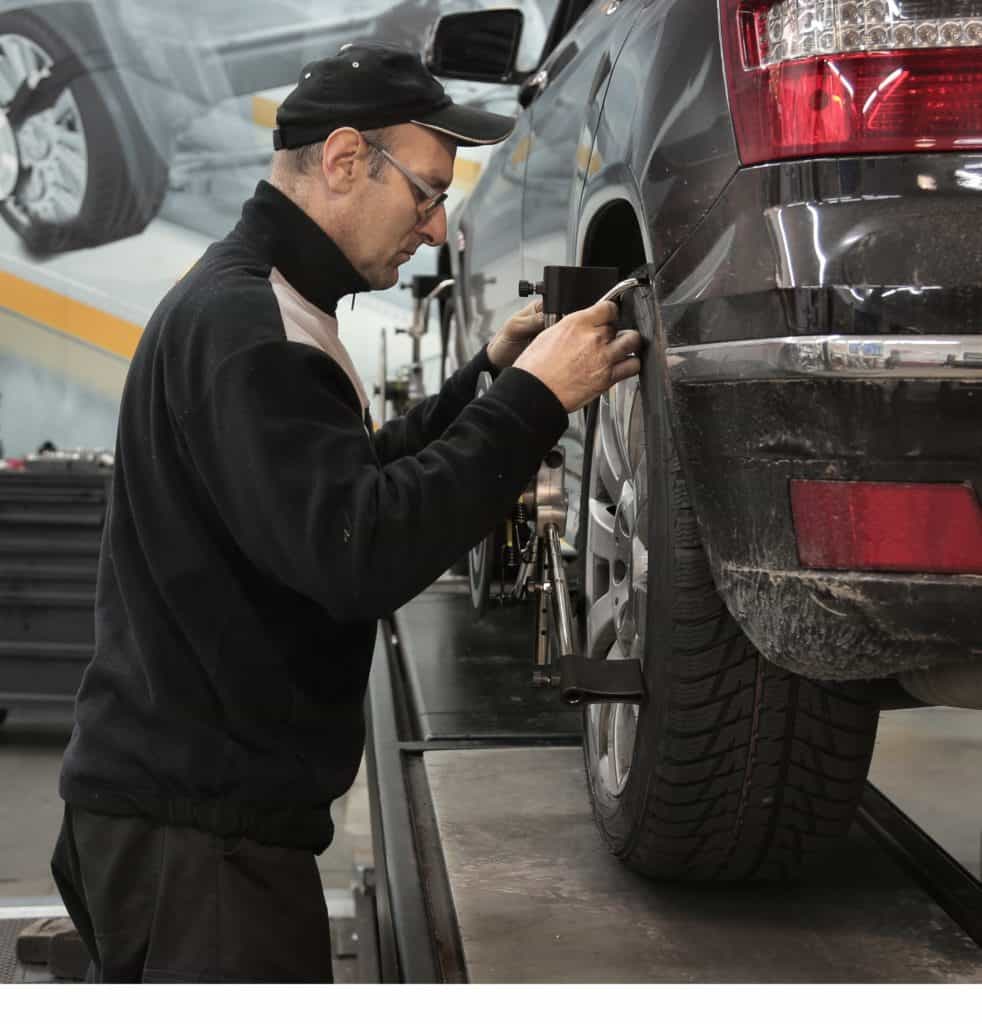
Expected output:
(783, 515)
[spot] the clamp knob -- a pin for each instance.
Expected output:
(527, 288)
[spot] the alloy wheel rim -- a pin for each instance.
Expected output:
(9, 158)
(51, 172)
(616, 570)
(450, 366)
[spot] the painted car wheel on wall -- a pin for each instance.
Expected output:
(81, 172)
(732, 768)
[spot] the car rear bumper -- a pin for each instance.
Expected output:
(823, 322)
(755, 416)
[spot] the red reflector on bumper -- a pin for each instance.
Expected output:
(901, 527)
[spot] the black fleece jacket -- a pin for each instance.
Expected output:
(256, 532)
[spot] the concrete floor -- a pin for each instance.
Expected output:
(31, 746)
(929, 763)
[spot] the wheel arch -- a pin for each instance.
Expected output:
(599, 242)
(604, 225)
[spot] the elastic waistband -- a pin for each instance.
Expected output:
(293, 825)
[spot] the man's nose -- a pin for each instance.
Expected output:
(434, 229)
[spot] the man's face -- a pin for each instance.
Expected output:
(387, 226)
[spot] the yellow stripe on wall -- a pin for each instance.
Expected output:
(52, 309)
(264, 110)
(466, 172)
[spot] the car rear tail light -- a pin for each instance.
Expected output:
(933, 528)
(819, 77)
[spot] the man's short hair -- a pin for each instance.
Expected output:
(306, 159)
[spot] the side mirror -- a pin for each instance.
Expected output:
(479, 46)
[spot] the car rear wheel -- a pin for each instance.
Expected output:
(732, 768)
(81, 172)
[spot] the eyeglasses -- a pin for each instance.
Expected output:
(434, 199)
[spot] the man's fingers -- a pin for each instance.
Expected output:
(624, 344)
(630, 367)
(601, 313)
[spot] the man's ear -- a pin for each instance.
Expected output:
(341, 161)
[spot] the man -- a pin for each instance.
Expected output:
(258, 528)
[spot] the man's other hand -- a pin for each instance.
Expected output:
(582, 355)
(512, 340)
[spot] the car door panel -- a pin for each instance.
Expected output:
(563, 118)
(659, 93)
(489, 242)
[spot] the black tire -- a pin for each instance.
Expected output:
(126, 177)
(740, 770)
(3, 715)
(482, 567)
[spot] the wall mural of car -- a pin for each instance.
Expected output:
(96, 95)
(131, 132)
(783, 513)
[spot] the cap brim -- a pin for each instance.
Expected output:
(470, 126)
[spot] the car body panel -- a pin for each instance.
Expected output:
(664, 140)
(564, 118)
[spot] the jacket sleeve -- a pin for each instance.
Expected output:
(426, 421)
(293, 473)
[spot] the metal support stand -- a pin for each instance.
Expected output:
(407, 389)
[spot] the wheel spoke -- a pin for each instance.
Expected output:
(625, 397)
(600, 630)
(28, 60)
(8, 76)
(14, 49)
(611, 466)
(601, 531)
(62, 204)
(624, 726)
(70, 162)
(639, 578)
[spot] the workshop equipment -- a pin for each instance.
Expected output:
(406, 388)
(542, 510)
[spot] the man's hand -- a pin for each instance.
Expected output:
(512, 340)
(581, 356)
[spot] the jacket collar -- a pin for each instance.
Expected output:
(294, 244)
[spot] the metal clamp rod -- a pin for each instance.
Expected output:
(561, 606)
(621, 287)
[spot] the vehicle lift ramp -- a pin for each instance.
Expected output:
(489, 868)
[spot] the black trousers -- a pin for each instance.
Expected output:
(161, 903)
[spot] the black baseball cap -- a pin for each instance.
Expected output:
(371, 85)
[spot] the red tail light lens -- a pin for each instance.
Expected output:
(933, 528)
(821, 77)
